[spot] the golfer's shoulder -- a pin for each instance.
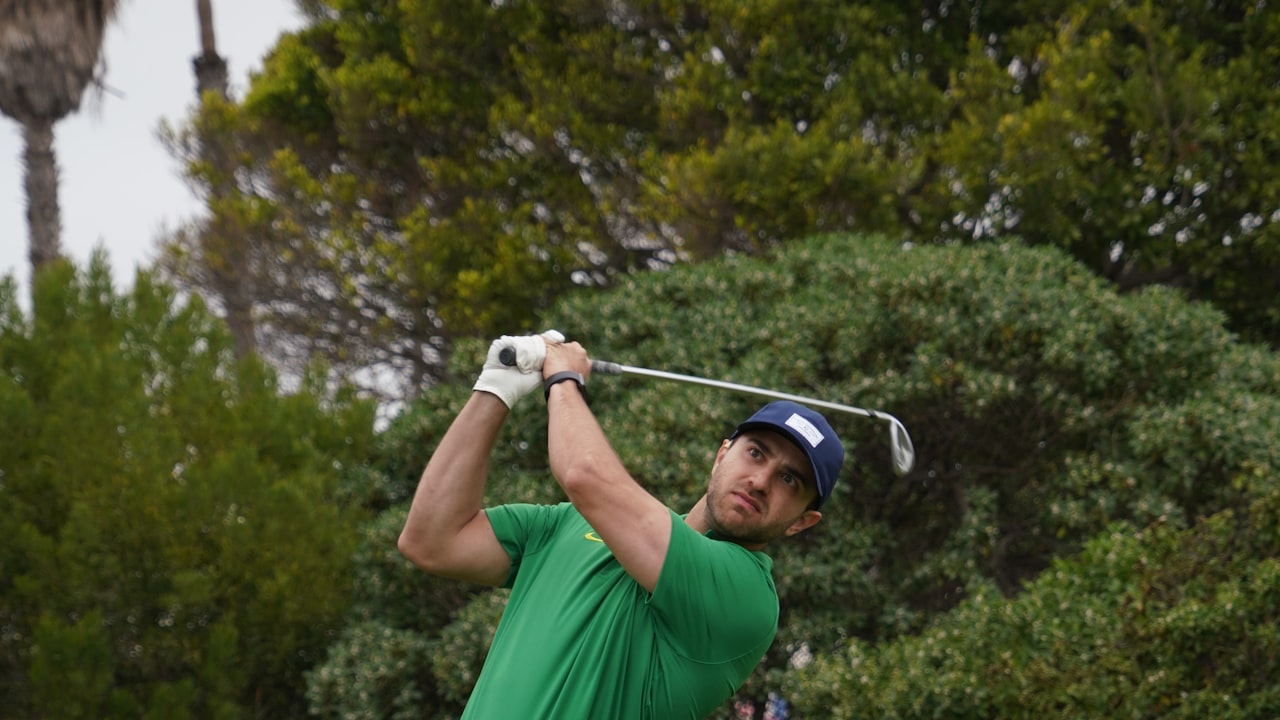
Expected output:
(722, 563)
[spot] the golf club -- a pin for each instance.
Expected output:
(902, 451)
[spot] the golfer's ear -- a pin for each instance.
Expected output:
(724, 448)
(804, 522)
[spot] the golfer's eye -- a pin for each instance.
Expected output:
(755, 453)
(791, 480)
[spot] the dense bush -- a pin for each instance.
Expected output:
(1158, 623)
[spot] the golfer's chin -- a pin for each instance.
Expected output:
(738, 524)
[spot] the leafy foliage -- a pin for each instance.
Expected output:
(410, 173)
(171, 544)
(1129, 135)
(1157, 623)
(1044, 407)
(371, 672)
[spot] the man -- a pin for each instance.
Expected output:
(619, 607)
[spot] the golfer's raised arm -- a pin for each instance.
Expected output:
(633, 523)
(447, 532)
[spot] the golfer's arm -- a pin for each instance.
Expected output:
(447, 532)
(633, 523)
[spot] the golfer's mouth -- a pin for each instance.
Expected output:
(748, 502)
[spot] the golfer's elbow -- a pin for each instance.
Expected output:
(472, 553)
(419, 549)
(582, 479)
(411, 548)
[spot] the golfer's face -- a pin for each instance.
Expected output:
(761, 484)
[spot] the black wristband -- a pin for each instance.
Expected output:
(561, 377)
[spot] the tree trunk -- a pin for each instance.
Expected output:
(44, 222)
(204, 9)
(233, 283)
(240, 321)
(210, 67)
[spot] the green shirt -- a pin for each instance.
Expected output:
(580, 639)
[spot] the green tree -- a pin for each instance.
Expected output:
(408, 173)
(395, 192)
(1132, 135)
(174, 545)
(1045, 408)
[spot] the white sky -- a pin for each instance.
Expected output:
(119, 187)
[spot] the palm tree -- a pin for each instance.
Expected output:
(50, 52)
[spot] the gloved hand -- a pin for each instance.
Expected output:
(512, 382)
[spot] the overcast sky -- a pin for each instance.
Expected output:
(119, 187)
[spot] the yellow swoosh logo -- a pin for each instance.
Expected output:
(593, 537)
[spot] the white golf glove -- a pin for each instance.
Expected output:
(512, 382)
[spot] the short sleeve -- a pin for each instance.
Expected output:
(523, 529)
(716, 599)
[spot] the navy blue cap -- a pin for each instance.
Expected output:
(811, 432)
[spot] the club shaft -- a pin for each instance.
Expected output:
(617, 369)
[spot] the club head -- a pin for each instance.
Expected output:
(900, 448)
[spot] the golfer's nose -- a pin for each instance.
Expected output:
(758, 481)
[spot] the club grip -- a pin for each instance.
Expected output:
(507, 356)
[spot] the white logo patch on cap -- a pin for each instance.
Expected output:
(805, 428)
